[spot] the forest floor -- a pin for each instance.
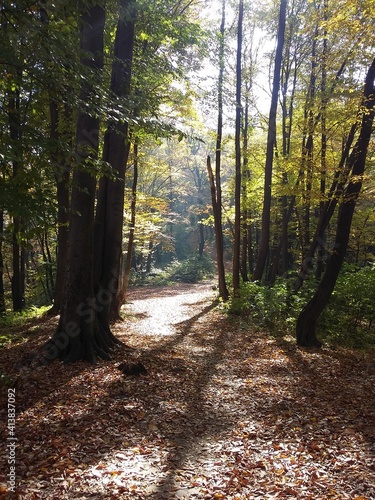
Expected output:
(226, 411)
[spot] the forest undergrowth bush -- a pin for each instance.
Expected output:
(349, 319)
(191, 270)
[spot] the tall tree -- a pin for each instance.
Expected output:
(80, 334)
(110, 206)
(271, 141)
(133, 205)
(2, 296)
(307, 320)
(215, 181)
(238, 167)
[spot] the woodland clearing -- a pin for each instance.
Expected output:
(226, 411)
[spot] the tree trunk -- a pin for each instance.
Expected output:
(80, 335)
(323, 154)
(307, 320)
(2, 296)
(246, 225)
(133, 214)
(237, 189)
(271, 140)
(223, 291)
(327, 211)
(110, 205)
(18, 298)
(62, 175)
(215, 182)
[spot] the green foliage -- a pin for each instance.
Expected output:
(12, 320)
(191, 270)
(270, 306)
(348, 319)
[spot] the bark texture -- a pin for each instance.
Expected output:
(110, 207)
(80, 334)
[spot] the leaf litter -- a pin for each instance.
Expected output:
(225, 411)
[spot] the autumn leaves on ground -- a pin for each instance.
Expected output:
(226, 411)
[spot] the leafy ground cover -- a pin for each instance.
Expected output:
(225, 412)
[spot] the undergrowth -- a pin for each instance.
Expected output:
(10, 321)
(191, 270)
(348, 320)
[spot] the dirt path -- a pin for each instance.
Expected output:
(226, 412)
(160, 311)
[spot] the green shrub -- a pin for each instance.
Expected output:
(269, 306)
(349, 317)
(12, 321)
(191, 270)
(348, 320)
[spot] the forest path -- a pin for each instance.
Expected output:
(160, 310)
(226, 411)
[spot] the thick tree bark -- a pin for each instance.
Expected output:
(80, 335)
(271, 140)
(110, 205)
(307, 320)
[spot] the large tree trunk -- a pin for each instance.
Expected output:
(307, 320)
(80, 335)
(110, 206)
(271, 140)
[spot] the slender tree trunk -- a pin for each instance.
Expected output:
(280, 261)
(16, 142)
(323, 154)
(110, 205)
(62, 175)
(246, 226)
(307, 320)
(2, 296)
(271, 140)
(223, 291)
(133, 214)
(61, 172)
(327, 211)
(215, 182)
(237, 189)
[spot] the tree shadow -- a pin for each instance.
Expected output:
(81, 422)
(60, 435)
